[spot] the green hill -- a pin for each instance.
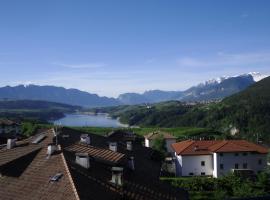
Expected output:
(247, 111)
(41, 110)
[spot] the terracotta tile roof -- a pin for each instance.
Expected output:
(241, 145)
(191, 147)
(34, 182)
(179, 147)
(154, 135)
(99, 153)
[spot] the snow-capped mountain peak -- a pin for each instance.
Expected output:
(257, 76)
(214, 81)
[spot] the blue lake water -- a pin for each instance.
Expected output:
(99, 120)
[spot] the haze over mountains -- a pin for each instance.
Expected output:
(214, 89)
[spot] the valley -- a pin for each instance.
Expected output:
(247, 112)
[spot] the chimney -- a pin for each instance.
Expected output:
(82, 159)
(196, 148)
(129, 145)
(51, 149)
(11, 143)
(131, 163)
(113, 146)
(85, 139)
(117, 176)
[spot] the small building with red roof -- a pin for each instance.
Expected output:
(169, 139)
(218, 157)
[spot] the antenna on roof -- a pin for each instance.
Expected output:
(56, 132)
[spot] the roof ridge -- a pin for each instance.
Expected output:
(249, 145)
(225, 142)
(69, 176)
(192, 142)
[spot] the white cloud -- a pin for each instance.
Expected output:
(80, 66)
(222, 59)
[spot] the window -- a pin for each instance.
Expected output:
(236, 154)
(221, 154)
(260, 161)
(202, 163)
(245, 165)
(245, 153)
(236, 166)
(221, 166)
(190, 173)
(203, 173)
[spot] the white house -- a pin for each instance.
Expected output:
(216, 158)
(169, 139)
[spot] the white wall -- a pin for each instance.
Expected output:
(146, 143)
(192, 164)
(178, 165)
(230, 159)
(215, 165)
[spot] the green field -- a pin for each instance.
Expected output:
(181, 132)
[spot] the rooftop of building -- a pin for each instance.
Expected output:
(26, 171)
(204, 147)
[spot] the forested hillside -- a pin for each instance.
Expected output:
(41, 110)
(247, 113)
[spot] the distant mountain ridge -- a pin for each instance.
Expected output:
(56, 94)
(214, 89)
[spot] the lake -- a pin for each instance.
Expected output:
(99, 120)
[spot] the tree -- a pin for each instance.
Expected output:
(159, 144)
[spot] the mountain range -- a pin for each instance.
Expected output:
(214, 89)
(56, 94)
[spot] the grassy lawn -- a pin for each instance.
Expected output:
(180, 132)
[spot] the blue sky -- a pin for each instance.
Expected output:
(111, 47)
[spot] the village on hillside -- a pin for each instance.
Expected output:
(64, 163)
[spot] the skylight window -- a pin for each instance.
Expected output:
(56, 177)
